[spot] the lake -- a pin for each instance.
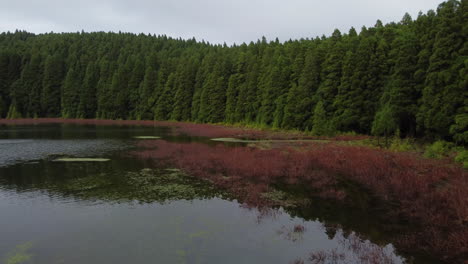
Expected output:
(125, 209)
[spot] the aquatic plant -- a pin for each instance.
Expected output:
(146, 137)
(20, 254)
(81, 160)
(429, 193)
(147, 185)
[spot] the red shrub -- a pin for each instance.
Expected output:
(428, 192)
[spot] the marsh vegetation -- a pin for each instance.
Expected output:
(175, 196)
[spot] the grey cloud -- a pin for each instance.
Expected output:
(216, 21)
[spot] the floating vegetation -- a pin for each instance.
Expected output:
(147, 185)
(20, 254)
(281, 198)
(146, 137)
(234, 140)
(81, 160)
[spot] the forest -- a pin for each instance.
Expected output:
(407, 78)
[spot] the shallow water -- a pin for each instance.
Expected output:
(120, 211)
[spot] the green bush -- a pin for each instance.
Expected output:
(462, 157)
(438, 149)
(399, 144)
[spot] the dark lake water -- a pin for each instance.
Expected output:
(127, 211)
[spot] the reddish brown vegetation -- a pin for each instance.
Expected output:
(192, 129)
(429, 193)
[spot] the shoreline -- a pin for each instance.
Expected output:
(428, 192)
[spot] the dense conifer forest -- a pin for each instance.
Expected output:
(408, 77)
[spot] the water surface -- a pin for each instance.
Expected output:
(132, 211)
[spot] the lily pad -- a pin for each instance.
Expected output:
(81, 160)
(147, 137)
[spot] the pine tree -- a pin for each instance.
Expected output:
(441, 95)
(184, 90)
(213, 97)
(321, 125)
(165, 102)
(401, 90)
(331, 73)
(52, 85)
(88, 103)
(385, 123)
(70, 94)
(146, 98)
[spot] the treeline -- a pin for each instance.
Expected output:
(408, 77)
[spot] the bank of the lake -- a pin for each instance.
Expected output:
(420, 200)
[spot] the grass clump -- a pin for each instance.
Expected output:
(402, 145)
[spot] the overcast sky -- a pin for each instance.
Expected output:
(216, 21)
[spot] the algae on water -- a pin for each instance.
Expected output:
(235, 140)
(20, 254)
(81, 160)
(146, 185)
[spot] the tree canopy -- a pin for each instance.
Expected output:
(409, 76)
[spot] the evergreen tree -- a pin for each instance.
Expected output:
(70, 94)
(441, 97)
(385, 123)
(408, 76)
(88, 103)
(52, 85)
(165, 102)
(321, 125)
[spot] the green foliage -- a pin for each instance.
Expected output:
(462, 157)
(438, 149)
(459, 130)
(321, 126)
(20, 254)
(51, 85)
(384, 122)
(409, 76)
(402, 145)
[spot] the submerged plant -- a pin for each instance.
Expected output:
(427, 192)
(147, 185)
(81, 160)
(20, 254)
